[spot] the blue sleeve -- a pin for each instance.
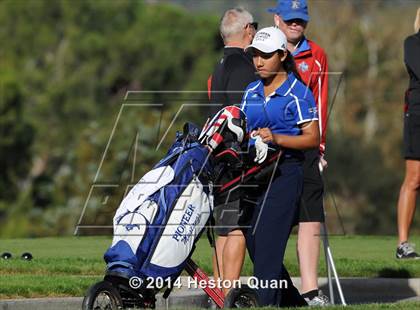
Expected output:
(302, 110)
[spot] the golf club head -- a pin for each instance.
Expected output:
(27, 256)
(6, 255)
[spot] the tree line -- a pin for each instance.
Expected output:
(73, 139)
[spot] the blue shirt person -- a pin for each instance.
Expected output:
(280, 112)
(284, 111)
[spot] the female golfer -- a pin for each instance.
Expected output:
(411, 185)
(281, 114)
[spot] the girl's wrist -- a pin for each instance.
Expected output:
(277, 139)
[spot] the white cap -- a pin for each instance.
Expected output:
(269, 40)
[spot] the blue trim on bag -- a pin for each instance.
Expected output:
(162, 199)
(177, 151)
(120, 263)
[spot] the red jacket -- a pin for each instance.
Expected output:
(311, 63)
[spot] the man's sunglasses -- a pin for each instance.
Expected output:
(254, 25)
(298, 21)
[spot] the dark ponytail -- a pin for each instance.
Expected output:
(289, 66)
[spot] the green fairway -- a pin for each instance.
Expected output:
(67, 266)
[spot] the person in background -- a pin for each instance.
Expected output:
(226, 86)
(291, 16)
(411, 184)
(235, 70)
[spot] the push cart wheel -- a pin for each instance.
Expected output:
(243, 297)
(102, 296)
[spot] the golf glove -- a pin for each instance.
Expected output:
(261, 149)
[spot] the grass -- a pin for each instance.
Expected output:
(68, 266)
(61, 266)
(354, 256)
(30, 286)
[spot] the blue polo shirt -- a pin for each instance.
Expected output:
(283, 111)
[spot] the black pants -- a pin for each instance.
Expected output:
(311, 207)
(271, 222)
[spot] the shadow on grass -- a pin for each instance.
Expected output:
(394, 273)
(391, 285)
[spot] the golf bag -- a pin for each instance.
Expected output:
(164, 214)
(158, 222)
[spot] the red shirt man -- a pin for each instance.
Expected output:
(311, 62)
(292, 17)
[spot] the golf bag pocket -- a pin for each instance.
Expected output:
(130, 229)
(149, 184)
(184, 226)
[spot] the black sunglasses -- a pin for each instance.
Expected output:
(298, 21)
(254, 25)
